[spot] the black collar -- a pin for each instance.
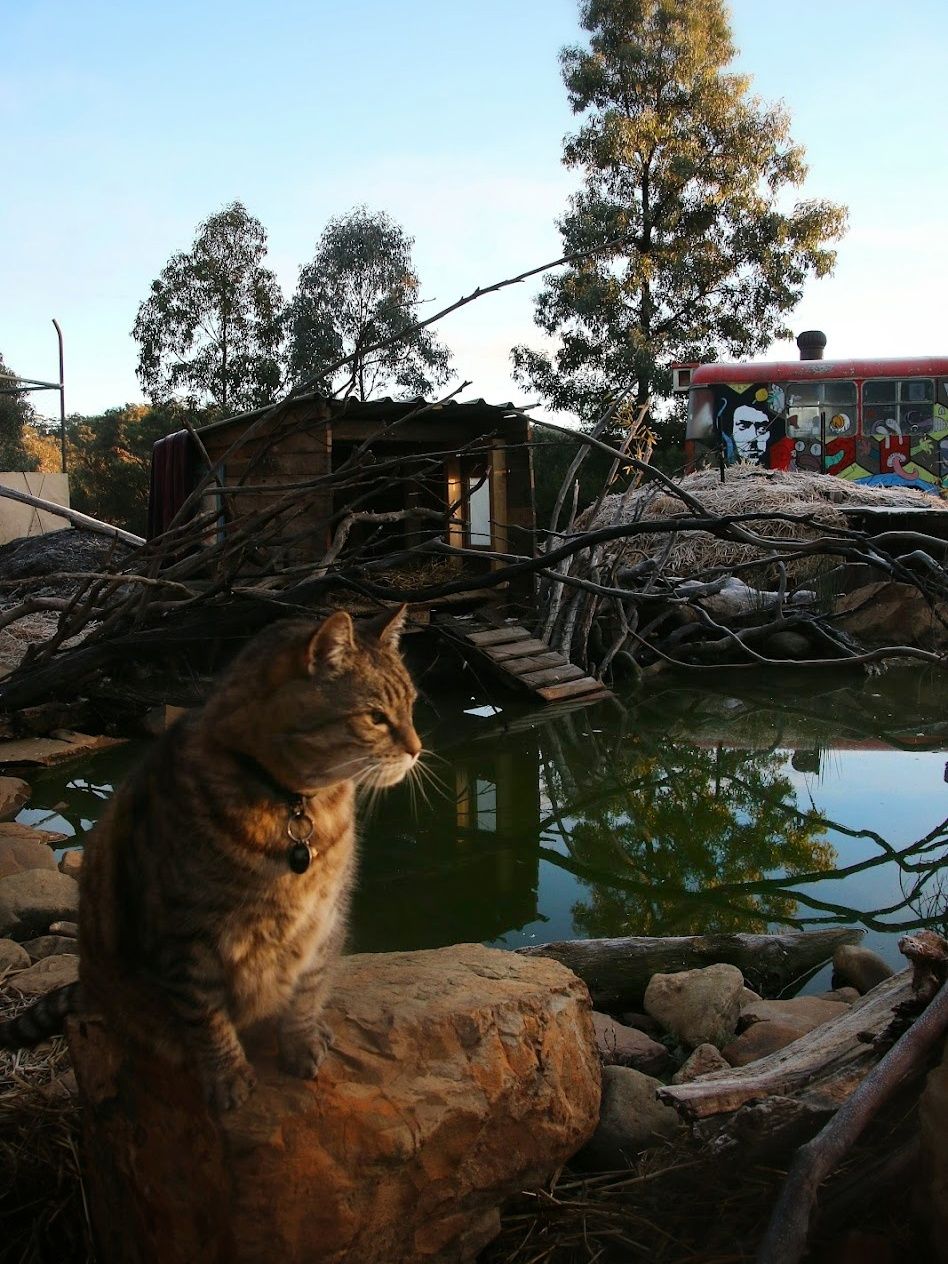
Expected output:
(300, 852)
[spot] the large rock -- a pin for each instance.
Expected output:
(697, 1006)
(631, 1119)
(49, 946)
(14, 795)
(30, 901)
(860, 968)
(887, 613)
(458, 1077)
(801, 1012)
(21, 852)
(627, 1046)
(43, 976)
(759, 1041)
(12, 956)
(704, 1060)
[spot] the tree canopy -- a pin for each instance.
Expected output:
(361, 288)
(15, 413)
(689, 174)
(211, 329)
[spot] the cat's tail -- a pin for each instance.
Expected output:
(44, 1019)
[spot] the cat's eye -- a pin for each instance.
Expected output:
(378, 717)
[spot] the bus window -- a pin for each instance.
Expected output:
(898, 406)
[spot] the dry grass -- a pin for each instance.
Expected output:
(43, 1216)
(16, 638)
(747, 489)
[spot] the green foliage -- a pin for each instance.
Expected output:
(15, 413)
(690, 173)
(359, 289)
(109, 460)
(552, 454)
(211, 330)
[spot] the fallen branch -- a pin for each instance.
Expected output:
(73, 515)
(786, 1236)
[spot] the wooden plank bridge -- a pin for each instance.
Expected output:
(525, 662)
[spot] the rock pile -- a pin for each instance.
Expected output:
(703, 1021)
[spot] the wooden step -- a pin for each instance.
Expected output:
(574, 689)
(497, 636)
(500, 653)
(553, 675)
(533, 662)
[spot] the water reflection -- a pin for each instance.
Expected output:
(685, 810)
(730, 806)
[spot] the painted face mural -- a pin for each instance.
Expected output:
(751, 425)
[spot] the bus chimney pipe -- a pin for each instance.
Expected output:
(812, 343)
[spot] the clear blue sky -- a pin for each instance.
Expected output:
(124, 125)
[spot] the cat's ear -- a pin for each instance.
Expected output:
(331, 643)
(388, 627)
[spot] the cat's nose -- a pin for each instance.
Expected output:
(412, 743)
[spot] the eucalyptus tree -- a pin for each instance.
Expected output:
(361, 289)
(211, 329)
(688, 175)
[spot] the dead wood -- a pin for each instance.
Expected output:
(72, 515)
(617, 971)
(786, 1237)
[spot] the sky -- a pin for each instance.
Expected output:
(123, 126)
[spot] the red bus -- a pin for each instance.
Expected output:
(882, 422)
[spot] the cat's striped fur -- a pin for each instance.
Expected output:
(192, 923)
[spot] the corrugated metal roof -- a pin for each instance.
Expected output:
(355, 408)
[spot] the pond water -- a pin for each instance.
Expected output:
(683, 807)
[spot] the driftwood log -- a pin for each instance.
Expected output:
(617, 971)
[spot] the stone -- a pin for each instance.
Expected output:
(697, 1006)
(758, 1041)
(631, 1119)
(747, 995)
(860, 968)
(642, 1022)
(888, 613)
(845, 994)
(14, 795)
(703, 1061)
(13, 956)
(789, 645)
(16, 829)
(933, 1122)
(627, 1046)
(30, 901)
(43, 976)
(49, 946)
(69, 929)
(20, 854)
(71, 862)
(458, 1076)
(802, 1012)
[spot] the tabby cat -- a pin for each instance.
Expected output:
(215, 889)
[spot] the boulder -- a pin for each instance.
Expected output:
(71, 862)
(49, 946)
(627, 1046)
(888, 613)
(697, 1006)
(642, 1022)
(43, 976)
(802, 1012)
(703, 1061)
(631, 1119)
(30, 901)
(20, 853)
(14, 795)
(16, 829)
(846, 994)
(458, 1077)
(13, 956)
(758, 1041)
(860, 968)
(70, 929)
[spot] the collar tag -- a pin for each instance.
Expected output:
(300, 829)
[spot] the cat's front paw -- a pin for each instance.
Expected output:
(303, 1055)
(231, 1087)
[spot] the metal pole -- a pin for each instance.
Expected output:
(62, 397)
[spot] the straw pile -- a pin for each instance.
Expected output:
(42, 1208)
(747, 489)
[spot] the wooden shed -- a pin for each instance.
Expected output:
(382, 475)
